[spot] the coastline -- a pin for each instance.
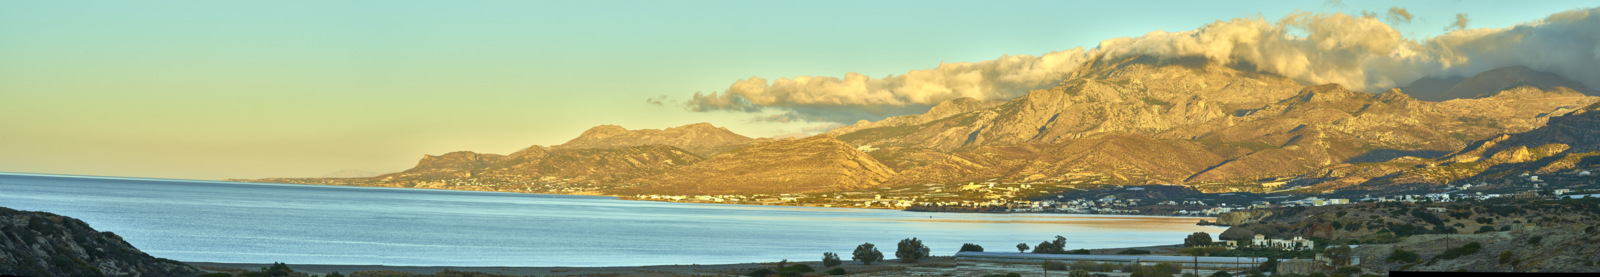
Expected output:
(935, 265)
(645, 270)
(632, 198)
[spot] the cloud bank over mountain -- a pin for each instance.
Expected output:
(1360, 52)
(857, 96)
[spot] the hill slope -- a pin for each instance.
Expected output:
(45, 244)
(815, 164)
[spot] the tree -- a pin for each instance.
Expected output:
(277, 270)
(1197, 239)
(910, 250)
(830, 259)
(1078, 273)
(1052, 247)
(971, 248)
(1338, 256)
(867, 254)
(1022, 247)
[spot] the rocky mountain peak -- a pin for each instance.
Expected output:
(700, 138)
(1491, 82)
(603, 131)
(1394, 95)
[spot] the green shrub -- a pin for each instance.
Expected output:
(1054, 265)
(837, 271)
(761, 272)
(910, 250)
(1505, 257)
(1535, 240)
(1348, 271)
(970, 248)
(867, 254)
(1402, 256)
(1469, 249)
(795, 270)
(1484, 229)
(829, 259)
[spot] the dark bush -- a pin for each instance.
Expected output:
(795, 270)
(837, 271)
(970, 248)
(216, 274)
(867, 254)
(1058, 246)
(1535, 240)
(762, 272)
(1197, 239)
(1131, 251)
(910, 250)
(1469, 249)
(1505, 257)
(829, 259)
(1402, 256)
(1054, 265)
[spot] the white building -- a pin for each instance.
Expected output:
(1298, 243)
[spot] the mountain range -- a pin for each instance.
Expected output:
(1126, 121)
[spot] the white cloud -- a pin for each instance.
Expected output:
(857, 96)
(1362, 53)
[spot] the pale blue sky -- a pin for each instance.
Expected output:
(220, 89)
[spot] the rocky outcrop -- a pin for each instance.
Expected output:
(44, 244)
(1242, 217)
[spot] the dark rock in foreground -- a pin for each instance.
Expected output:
(45, 244)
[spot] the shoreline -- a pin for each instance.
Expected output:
(631, 198)
(854, 267)
(583, 193)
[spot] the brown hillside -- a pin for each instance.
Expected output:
(818, 163)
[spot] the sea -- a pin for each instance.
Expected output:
(235, 222)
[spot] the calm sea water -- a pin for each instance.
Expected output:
(301, 224)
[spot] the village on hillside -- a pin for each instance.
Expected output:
(1158, 200)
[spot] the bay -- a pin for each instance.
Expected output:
(213, 221)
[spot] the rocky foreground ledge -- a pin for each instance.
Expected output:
(44, 244)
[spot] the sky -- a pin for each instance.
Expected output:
(235, 89)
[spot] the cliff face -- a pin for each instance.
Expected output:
(44, 244)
